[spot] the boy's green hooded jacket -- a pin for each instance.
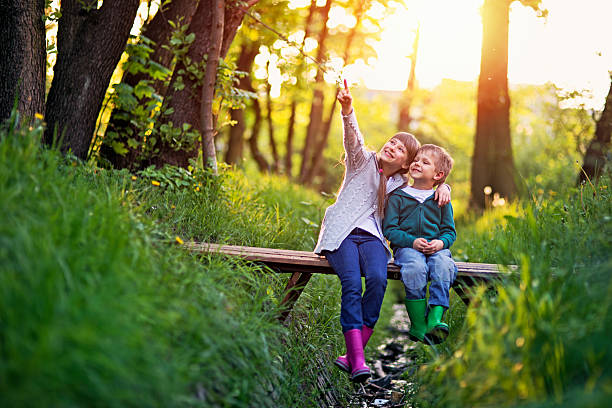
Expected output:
(406, 220)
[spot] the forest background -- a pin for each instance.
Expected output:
(145, 106)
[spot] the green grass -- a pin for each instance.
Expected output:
(100, 305)
(542, 338)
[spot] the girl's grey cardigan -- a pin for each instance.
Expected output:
(357, 198)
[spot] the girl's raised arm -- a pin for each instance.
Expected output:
(352, 137)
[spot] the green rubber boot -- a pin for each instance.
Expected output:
(437, 331)
(416, 312)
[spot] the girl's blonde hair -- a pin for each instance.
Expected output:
(412, 145)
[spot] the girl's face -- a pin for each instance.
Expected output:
(394, 154)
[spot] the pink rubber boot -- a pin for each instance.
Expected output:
(354, 351)
(342, 361)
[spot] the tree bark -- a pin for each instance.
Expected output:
(236, 132)
(159, 31)
(492, 163)
(404, 120)
(257, 155)
(271, 138)
(22, 57)
(186, 102)
(316, 110)
(294, 101)
(317, 157)
(90, 44)
(289, 141)
(209, 156)
(595, 156)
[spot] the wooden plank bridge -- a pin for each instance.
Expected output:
(302, 264)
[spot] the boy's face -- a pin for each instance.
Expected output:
(423, 168)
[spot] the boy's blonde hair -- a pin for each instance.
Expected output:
(443, 162)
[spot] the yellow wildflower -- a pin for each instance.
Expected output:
(179, 240)
(39, 116)
(155, 183)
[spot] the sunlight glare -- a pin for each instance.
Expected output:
(339, 17)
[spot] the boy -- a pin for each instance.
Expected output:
(421, 233)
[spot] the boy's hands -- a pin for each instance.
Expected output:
(442, 195)
(345, 99)
(428, 248)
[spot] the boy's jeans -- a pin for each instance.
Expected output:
(360, 253)
(417, 268)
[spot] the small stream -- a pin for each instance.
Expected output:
(386, 388)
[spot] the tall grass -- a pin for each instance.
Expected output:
(101, 306)
(542, 339)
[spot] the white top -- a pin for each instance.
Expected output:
(356, 203)
(419, 195)
(369, 224)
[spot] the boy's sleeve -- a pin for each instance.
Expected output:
(391, 228)
(448, 234)
(354, 145)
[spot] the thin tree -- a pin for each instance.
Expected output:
(271, 138)
(596, 153)
(235, 144)
(208, 88)
(405, 104)
(184, 96)
(294, 101)
(22, 57)
(258, 156)
(316, 159)
(316, 110)
(90, 42)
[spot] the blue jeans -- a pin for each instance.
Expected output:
(417, 268)
(361, 253)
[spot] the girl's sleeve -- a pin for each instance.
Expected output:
(354, 145)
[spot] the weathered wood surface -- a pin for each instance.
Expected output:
(302, 264)
(289, 261)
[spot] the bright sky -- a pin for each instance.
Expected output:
(572, 47)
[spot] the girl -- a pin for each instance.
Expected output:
(351, 233)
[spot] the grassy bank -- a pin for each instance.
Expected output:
(542, 339)
(100, 305)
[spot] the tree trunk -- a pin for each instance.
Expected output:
(209, 156)
(90, 44)
(294, 102)
(236, 132)
(289, 142)
(316, 110)
(492, 163)
(317, 156)
(186, 103)
(405, 104)
(595, 156)
(159, 31)
(271, 139)
(22, 57)
(257, 155)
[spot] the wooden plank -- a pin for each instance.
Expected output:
(302, 264)
(289, 261)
